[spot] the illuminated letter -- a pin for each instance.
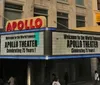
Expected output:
(9, 28)
(32, 24)
(38, 23)
(14, 24)
(26, 25)
(20, 25)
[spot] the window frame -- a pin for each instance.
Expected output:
(9, 8)
(98, 4)
(62, 17)
(38, 13)
(80, 20)
(63, 1)
(42, 14)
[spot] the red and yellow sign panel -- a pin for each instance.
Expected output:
(26, 24)
(98, 17)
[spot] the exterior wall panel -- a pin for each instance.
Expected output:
(81, 11)
(16, 1)
(42, 3)
(63, 7)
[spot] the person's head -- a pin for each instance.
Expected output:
(12, 76)
(95, 71)
(56, 79)
(53, 74)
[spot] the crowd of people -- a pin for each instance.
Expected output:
(55, 80)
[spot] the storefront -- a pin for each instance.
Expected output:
(33, 55)
(16, 68)
(20, 50)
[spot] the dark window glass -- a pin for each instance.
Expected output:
(98, 4)
(62, 0)
(41, 12)
(80, 21)
(12, 12)
(13, 6)
(60, 14)
(62, 20)
(80, 17)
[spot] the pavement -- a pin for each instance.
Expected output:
(79, 83)
(82, 83)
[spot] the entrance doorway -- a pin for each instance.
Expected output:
(17, 68)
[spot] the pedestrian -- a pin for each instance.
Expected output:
(66, 78)
(53, 76)
(11, 81)
(56, 81)
(96, 78)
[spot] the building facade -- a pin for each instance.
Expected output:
(62, 14)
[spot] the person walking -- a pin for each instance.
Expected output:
(53, 76)
(66, 78)
(11, 81)
(96, 78)
(56, 81)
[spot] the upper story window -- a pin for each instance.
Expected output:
(80, 21)
(80, 2)
(62, 20)
(62, 0)
(13, 6)
(98, 4)
(12, 12)
(41, 12)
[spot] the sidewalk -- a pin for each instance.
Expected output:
(82, 83)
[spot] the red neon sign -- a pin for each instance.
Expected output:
(26, 24)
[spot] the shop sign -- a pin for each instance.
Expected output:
(23, 44)
(26, 24)
(73, 43)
